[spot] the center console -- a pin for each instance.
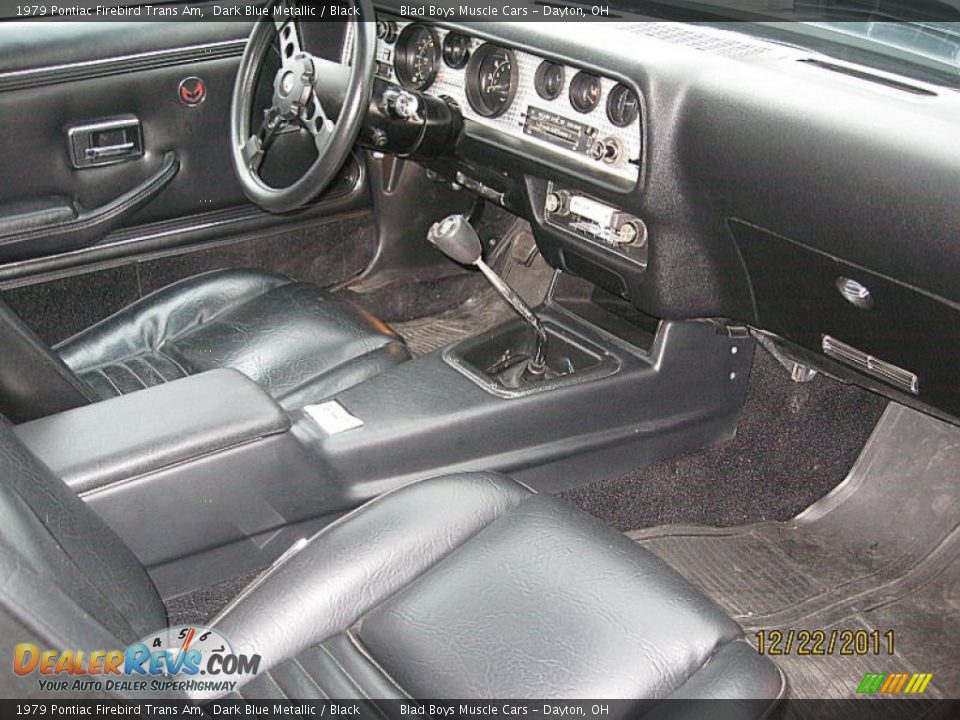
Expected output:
(186, 469)
(207, 478)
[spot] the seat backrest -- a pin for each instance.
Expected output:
(34, 381)
(63, 573)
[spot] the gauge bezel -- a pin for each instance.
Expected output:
(580, 77)
(460, 37)
(474, 96)
(539, 80)
(611, 96)
(402, 57)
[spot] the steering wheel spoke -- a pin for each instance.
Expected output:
(255, 148)
(328, 100)
(288, 34)
(317, 123)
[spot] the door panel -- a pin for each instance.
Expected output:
(56, 75)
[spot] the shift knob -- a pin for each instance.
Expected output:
(455, 238)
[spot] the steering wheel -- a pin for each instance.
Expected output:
(326, 98)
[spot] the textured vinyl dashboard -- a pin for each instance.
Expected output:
(451, 82)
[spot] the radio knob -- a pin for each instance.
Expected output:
(612, 150)
(632, 231)
(556, 203)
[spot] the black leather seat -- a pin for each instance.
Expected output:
(467, 586)
(301, 343)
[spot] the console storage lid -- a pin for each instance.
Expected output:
(125, 437)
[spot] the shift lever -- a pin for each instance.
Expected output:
(456, 238)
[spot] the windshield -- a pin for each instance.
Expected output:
(934, 41)
(917, 38)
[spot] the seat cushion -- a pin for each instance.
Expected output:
(473, 586)
(300, 343)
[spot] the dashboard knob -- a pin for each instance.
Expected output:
(556, 203)
(632, 232)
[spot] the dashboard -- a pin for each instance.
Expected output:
(591, 121)
(700, 172)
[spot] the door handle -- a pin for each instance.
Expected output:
(105, 142)
(109, 151)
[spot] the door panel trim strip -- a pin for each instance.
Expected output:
(103, 67)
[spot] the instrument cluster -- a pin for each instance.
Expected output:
(589, 118)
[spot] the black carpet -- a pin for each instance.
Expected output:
(324, 254)
(201, 606)
(794, 443)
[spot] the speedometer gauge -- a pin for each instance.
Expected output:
(492, 79)
(417, 58)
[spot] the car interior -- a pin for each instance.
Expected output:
(474, 358)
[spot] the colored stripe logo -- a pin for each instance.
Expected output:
(894, 683)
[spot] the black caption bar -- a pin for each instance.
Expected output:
(472, 709)
(495, 10)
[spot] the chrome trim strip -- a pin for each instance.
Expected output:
(14, 79)
(888, 372)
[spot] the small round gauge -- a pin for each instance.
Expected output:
(549, 80)
(456, 50)
(585, 92)
(417, 58)
(492, 79)
(623, 107)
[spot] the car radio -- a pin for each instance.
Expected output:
(575, 136)
(595, 221)
(561, 131)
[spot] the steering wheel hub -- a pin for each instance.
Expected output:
(292, 87)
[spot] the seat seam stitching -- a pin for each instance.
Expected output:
(107, 378)
(351, 635)
(309, 676)
(146, 361)
(136, 377)
(172, 360)
(345, 673)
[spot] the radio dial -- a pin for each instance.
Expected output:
(632, 232)
(557, 203)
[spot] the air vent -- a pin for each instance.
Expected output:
(861, 74)
(718, 42)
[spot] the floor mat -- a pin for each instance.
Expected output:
(478, 314)
(521, 267)
(877, 558)
(794, 443)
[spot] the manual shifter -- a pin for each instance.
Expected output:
(457, 239)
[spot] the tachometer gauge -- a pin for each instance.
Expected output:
(492, 79)
(456, 50)
(623, 107)
(585, 92)
(417, 58)
(549, 80)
